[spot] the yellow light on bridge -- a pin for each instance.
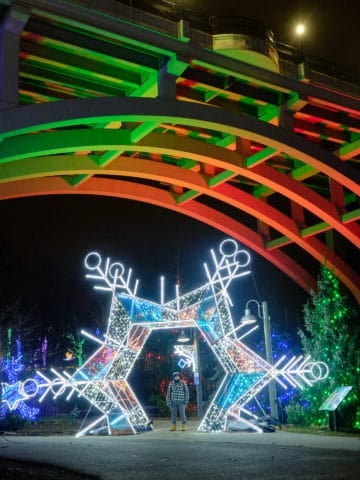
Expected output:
(300, 29)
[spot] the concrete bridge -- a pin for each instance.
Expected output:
(208, 118)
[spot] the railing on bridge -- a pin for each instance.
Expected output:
(256, 37)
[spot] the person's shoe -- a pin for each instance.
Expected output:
(173, 428)
(183, 427)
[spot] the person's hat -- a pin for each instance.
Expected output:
(176, 373)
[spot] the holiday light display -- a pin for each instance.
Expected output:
(103, 378)
(12, 367)
(187, 356)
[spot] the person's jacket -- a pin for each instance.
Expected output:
(177, 392)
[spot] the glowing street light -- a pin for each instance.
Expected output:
(183, 337)
(248, 318)
(300, 29)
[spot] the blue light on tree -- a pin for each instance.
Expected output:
(14, 392)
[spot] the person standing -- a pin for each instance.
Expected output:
(177, 397)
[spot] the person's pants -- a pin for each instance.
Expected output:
(174, 408)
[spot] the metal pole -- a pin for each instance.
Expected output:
(269, 359)
(197, 377)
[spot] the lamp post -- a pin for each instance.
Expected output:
(197, 376)
(300, 29)
(264, 315)
(299, 32)
(196, 369)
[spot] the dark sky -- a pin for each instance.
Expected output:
(47, 238)
(331, 26)
(44, 240)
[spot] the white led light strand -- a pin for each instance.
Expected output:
(113, 275)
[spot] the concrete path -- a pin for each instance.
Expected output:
(161, 454)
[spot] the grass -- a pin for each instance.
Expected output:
(321, 431)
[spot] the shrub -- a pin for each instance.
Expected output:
(295, 415)
(13, 422)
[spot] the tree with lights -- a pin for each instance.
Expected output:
(12, 367)
(76, 347)
(327, 337)
(16, 347)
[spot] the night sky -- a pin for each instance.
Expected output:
(44, 240)
(331, 26)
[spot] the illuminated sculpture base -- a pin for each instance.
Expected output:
(103, 378)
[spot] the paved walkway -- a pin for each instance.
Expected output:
(161, 454)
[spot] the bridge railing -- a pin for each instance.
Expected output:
(259, 38)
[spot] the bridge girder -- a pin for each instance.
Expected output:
(69, 152)
(268, 157)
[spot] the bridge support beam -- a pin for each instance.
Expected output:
(10, 31)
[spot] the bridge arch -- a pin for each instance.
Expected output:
(90, 147)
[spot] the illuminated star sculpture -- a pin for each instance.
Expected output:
(103, 378)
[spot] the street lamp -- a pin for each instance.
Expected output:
(196, 368)
(183, 337)
(300, 29)
(299, 32)
(264, 315)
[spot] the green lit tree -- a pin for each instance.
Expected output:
(327, 337)
(76, 347)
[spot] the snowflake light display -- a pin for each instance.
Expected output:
(103, 378)
(187, 356)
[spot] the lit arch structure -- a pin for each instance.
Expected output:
(267, 158)
(45, 156)
(103, 379)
